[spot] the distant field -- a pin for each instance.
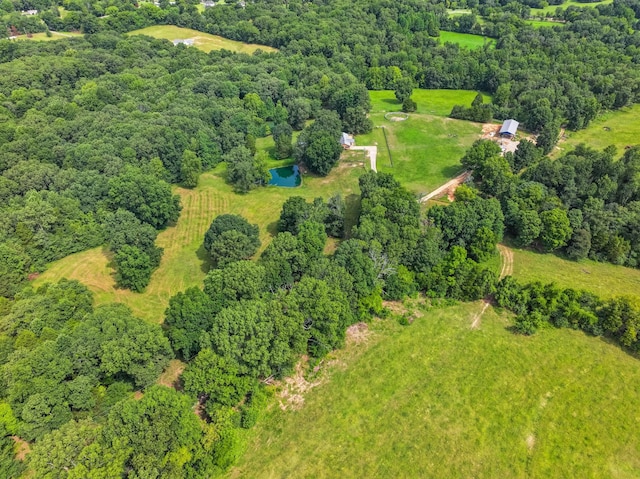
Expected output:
(603, 279)
(42, 37)
(438, 399)
(569, 3)
(430, 102)
(543, 23)
(465, 40)
(203, 41)
(184, 263)
(620, 128)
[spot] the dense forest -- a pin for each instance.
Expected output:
(94, 131)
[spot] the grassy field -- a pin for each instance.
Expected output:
(203, 41)
(570, 3)
(439, 399)
(42, 37)
(543, 23)
(465, 40)
(603, 279)
(430, 102)
(620, 128)
(185, 263)
(426, 148)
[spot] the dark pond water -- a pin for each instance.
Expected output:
(286, 176)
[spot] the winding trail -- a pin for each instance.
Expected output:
(507, 270)
(449, 185)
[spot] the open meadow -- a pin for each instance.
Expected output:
(184, 263)
(604, 279)
(42, 37)
(550, 9)
(439, 399)
(203, 41)
(427, 147)
(620, 128)
(465, 40)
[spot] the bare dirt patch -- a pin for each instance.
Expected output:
(170, 377)
(358, 333)
(294, 387)
(531, 442)
(22, 448)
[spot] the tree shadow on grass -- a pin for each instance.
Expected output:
(206, 263)
(272, 228)
(452, 171)
(352, 211)
(391, 101)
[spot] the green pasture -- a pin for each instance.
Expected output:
(185, 263)
(543, 23)
(465, 40)
(620, 128)
(430, 102)
(425, 149)
(604, 279)
(42, 36)
(203, 41)
(439, 399)
(570, 3)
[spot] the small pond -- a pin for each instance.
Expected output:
(285, 176)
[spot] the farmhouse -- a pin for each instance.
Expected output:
(188, 41)
(29, 12)
(209, 3)
(509, 129)
(347, 141)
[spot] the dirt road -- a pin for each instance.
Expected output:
(449, 185)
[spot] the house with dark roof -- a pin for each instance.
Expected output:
(509, 128)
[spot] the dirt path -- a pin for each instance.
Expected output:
(448, 186)
(371, 152)
(507, 270)
(507, 261)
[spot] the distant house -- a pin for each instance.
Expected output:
(509, 129)
(242, 3)
(29, 12)
(188, 41)
(347, 141)
(209, 4)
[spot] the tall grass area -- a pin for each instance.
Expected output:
(203, 41)
(604, 279)
(438, 399)
(465, 40)
(620, 128)
(184, 263)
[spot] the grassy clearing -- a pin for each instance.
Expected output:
(425, 149)
(185, 263)
(465, 40)
(603, 279)
(42, 36)
(570, 3)
(203, 41)
(620, 128)
(543, 23)
(438, 399)
(430, 102)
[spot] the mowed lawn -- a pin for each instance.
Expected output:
(570, 3)
(620, 128)
(203, 41)
(438, 399)
(184, 263)
(465, 40)
(427, 147)
(604, 279)
(42, 36)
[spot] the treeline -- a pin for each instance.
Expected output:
(94, 130)
(537, 305)
(586, 203)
